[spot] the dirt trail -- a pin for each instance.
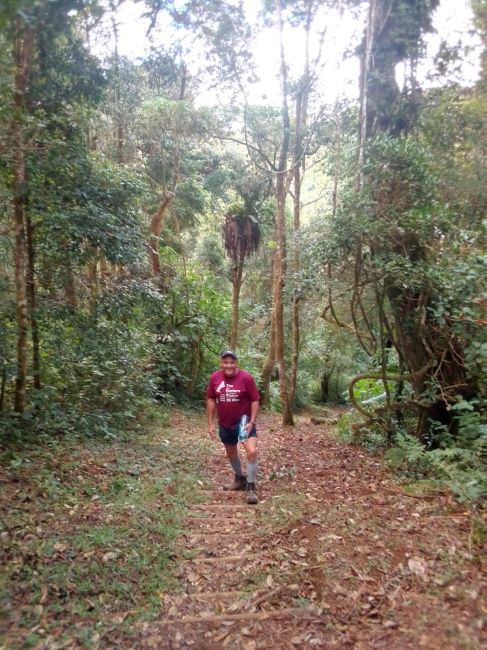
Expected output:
(334, 556)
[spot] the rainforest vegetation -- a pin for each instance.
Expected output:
(338, 245)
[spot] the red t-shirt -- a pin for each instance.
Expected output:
(233, 396)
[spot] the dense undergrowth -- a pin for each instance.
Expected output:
(457, 465)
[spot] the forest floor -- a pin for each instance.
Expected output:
(133, 544)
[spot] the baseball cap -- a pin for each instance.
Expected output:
(228, 353)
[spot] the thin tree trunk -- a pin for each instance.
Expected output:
(119, 126)
(364, 72)
(270, 361)
(159, 216)
(195, 366)
(105, 272)
(70, 296)
(236, 286)
(338, 154)
(287, 417)
(22, 59)
(280, 258)
(296, 266)
(325, 387)
(3, 382)
(92, 284)
(156, 225)
(31, 292)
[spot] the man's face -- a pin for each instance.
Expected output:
(229, 366)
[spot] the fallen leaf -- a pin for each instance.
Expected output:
(107, 557)
(44, 592)
(417, 566)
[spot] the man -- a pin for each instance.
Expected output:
(232, 393)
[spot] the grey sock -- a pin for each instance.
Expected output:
(237, 467)
(251, 472)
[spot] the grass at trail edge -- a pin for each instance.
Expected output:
(88, 533)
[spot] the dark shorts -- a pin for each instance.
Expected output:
(230, 436)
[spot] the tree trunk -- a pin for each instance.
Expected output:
(280, 258)
(104, 273)
(298, 163)
(445, 369)
(23, 43)
(237, 272)
(270, 361)
(159, 216)
(325, 387)
(92, 285)
(424, 349)
(21, 296)
(364, 86)
(31, 292)
(156, 225)
(195, 366)
(3, 382)
(70, 296)
(338, 155)
(296, 294)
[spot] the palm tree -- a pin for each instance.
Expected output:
(241, 237)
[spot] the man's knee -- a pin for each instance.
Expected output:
(231, 451)
(252, 456)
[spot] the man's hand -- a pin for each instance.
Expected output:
(248, 428)
(210, 413)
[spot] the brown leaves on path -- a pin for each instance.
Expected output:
(135, 545)
(334, 555)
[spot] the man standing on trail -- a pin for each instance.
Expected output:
(232, 393)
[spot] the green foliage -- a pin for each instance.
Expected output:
(86, 207)
(211, 255)
(459, 463)
(94, 369)
(343, 429)
(192, 329)
(366, 388)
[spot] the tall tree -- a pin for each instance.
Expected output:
(281, 189)
(23, 38)
(52, 78)
(399, 231)
(241, 237)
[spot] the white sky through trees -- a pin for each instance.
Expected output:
(453, 22)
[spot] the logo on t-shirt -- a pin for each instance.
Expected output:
(220, 387)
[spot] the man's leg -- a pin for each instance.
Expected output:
(234, 459)
(251, 449)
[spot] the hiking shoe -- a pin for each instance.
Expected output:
(239, 483)
(251, 495)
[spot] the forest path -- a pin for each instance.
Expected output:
(334, 556)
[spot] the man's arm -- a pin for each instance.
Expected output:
(254, 411)
(210, 412)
